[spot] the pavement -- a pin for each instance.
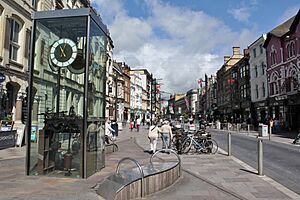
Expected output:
(204, 176)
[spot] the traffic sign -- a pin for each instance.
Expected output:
(2, 77)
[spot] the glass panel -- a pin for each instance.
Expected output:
(58, 97)
(96, 98)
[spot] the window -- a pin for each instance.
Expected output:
(254, 53)
(273, 58)
(42, 51)
(243, 89)
(256, 90)
(256, 71)
(14, 46)
(263, 68)
(261, 49)
(263, 89)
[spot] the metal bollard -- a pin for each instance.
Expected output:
(260, 156)
(248, 129)
(229, 144)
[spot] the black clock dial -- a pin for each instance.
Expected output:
(63, 52)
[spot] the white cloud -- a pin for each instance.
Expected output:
(288, 13)
(241, 14)
(194, 43)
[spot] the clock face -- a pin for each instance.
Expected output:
(63, 52)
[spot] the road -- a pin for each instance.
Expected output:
(281, 162)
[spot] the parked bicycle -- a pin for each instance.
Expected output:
(195, 142)
(297, 139)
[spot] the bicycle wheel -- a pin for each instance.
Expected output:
(211, 146)
(186, 145)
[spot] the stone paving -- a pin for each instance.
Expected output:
(203, 177)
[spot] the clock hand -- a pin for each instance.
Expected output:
(62, 53)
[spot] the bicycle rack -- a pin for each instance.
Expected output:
(170, 150)
(140, 169)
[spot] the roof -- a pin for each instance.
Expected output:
(283, 28)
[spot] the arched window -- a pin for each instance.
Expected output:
(293, 49)
(273, 56)
(274, 89)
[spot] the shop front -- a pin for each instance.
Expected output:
(67, 90)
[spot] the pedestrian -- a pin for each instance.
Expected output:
(138, 123)
(148, 122)
(166, 135)
(108, 131)
(114, 125)
(271, 124)
(153, 136)
(131, 124)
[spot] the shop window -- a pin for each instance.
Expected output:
(15, 28)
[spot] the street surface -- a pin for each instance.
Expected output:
(281, 162)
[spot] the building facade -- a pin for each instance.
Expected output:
(258, 79)
(283, 72)
(224, 85)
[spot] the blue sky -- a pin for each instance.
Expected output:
(181, 40)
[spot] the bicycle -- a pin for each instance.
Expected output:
(297, 139)
(199, 144)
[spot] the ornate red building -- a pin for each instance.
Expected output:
(283, 72)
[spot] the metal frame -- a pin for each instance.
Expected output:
(169, 150)
(140, 169)
(90, 14)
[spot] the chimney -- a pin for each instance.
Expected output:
(236, 50)
(226, 58)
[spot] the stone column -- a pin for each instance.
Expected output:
(35, 108)
(18, 114)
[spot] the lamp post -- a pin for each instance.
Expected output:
(231, 83)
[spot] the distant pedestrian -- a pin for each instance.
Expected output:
(138, 124)
(153, 136)
(166, 135)
(131, 124)
(271, 124)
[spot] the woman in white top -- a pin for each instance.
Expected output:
(153, 136)
(108, 131)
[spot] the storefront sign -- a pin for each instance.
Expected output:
(2, 77)
(7, 139)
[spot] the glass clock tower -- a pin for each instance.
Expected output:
(65, 134)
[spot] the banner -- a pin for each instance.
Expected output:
(187, 103)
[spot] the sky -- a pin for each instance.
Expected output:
(180, 41)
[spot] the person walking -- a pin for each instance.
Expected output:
(271, 124)
(108, 131)
(153, 136)
(166, 135)
(131, 124)
(138, 124)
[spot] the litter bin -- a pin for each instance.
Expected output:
(263, 130)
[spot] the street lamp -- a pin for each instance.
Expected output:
(231, 83)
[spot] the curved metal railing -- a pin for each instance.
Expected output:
(140, 169)
(169, 150)
(114, 146)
